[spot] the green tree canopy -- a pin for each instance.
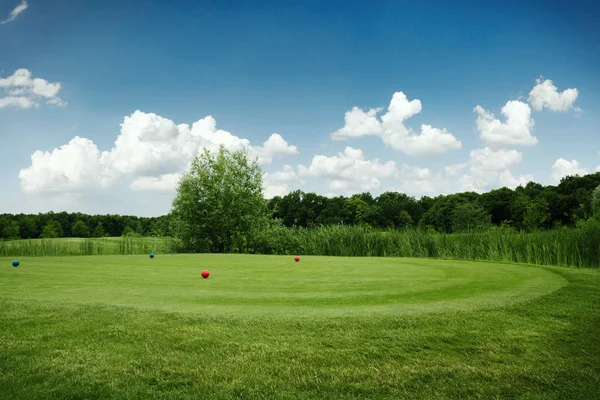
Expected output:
(80, 229)
(536, 214)
(52, 229)
(596, 200)
(219, 202)
(128, 231)
(11, 230)
(99, 231)
(469, 216)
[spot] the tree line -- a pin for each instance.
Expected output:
(63, 224)
(528, 208)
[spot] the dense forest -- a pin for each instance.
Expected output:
(533, 207)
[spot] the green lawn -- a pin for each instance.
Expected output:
(324, 328)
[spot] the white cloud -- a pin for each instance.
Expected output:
(417, 181)
(17, 101)
(546, 95)
(507, 179)
(516, 131)
(24, 92)
(153, 151)
(563, 168)
(359, 123)
(453, 170)
(162, 183)
(486, 169)
(275, 146)
(348, 170)
(279, 183)
(16, 11)
(487, 159)
(152, 145)
(74, 166)
(490, 168)
(391, 128)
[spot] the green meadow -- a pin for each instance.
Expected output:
(266, 327)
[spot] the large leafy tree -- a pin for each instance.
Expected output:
(219, 202)
(11, 231)
(595, 204)
(53, 229)
(469, 216)
(356, 208)
(80, 229)
(289, 208)
(334, 212)
(497, 202)
(441, 214)
(29, 226)
(99, 230)
(518, 206)
(536, 214)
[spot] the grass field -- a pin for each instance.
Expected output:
(267, 327)
(84, 246)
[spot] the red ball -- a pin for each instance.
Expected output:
(205, 274)
(296, 258)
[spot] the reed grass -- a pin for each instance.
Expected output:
(85, 247)
(566, 247)
(575, 247)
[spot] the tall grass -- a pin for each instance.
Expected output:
(575, 247)
(86, 247)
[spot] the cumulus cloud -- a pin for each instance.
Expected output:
(563, 168)
(16, 11)
(487, 159)
(516, 131)
(279, 183)
(151, 145)
(454, 170)
(359, 123)
(508, 180)
(393, 131)
(24, 91)
(486, 169)
(274, 146)
(161, 183)
(546, 95)
(490, 168)
(17, 101)
(348, 171)
(74, 166)
(151, 149)
(417, 181)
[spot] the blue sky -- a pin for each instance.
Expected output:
(260, 68)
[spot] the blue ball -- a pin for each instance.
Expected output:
(151, 255)
(15, 263)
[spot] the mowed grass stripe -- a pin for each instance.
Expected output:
(244, 285)
(544, 348)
